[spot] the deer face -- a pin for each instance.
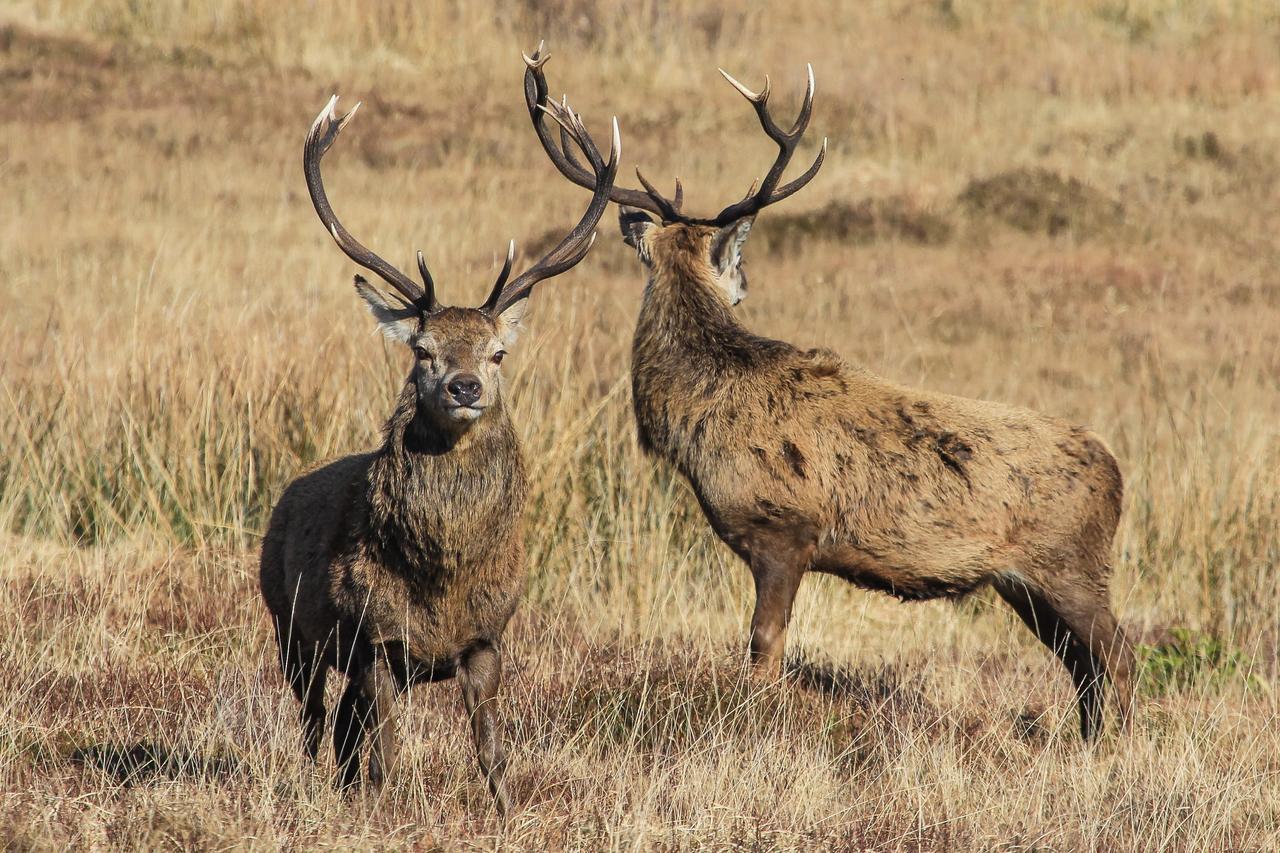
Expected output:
(457, 353)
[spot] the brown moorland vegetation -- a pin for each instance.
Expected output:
(1071, 207)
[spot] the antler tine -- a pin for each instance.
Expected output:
(538, 57)
(567, 131)
(324, 130)
(429, 298)
(668, 210)
(787, 189)
(574, 247)
(535, 95)
(501, 281)
(744, 91)
(806, 106)
(787, 141)
(566, 145)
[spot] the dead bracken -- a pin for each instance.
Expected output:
(1040, 201)
(858, 223)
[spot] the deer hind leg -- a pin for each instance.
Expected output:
(1076, 638)
(480, 675)
(1088, 615)
(306, 675)
(777, 568)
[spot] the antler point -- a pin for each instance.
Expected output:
(744, 91)
(535, 62)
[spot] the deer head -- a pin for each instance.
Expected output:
(717, 241)
(458, 351)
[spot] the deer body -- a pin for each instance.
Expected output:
(422, 550)
(405, 564)
(395, 567)
(914, 493)
(803, 463)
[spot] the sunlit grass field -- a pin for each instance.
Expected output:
(1069, 207)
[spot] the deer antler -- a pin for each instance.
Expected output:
(324, 131)
(561, 154)
(576, 244)
(787, 142)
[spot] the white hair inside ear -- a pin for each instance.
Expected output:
(636, 225)
(397, 322)
(510, 321)
(726, 246)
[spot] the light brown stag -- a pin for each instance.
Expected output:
(803, 462)
(403, 565)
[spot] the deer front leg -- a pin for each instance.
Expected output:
(480, 674)
(349, 726)
(777, 569)
(380, 686)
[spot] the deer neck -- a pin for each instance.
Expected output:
(684, 315)
(444, 497)
(688, 356)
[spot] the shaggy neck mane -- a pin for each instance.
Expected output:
(690, 353)
(441, 498)
(684, 314)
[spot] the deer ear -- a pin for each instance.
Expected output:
(636, 225)
(508, 322)
(726, 245)
(397, 322)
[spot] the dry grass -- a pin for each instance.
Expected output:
(178, 338)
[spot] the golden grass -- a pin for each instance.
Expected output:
(178, 338)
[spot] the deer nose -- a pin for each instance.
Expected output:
(465, 388)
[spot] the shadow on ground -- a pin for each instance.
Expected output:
(131, 764)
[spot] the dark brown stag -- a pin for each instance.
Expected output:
(803, 462)
(404, 564)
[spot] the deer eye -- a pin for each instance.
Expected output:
(422, 353)
(499, 356)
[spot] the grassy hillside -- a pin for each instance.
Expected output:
(1070, 209)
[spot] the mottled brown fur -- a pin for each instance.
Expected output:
(404, 564)
(804, 463)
